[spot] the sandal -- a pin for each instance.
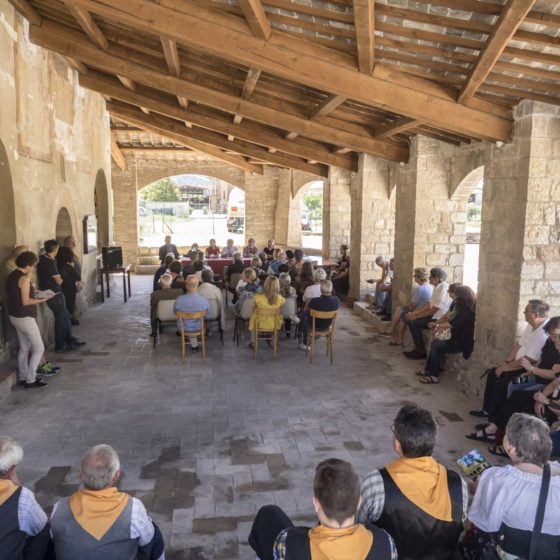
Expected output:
(484, 437)
(482, 426)
(429, 380)
(498, 451)
(420, 373)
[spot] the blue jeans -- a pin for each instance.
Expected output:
(532, 385)
(62, 322)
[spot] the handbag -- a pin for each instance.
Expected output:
(443, 334)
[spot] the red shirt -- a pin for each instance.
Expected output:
(212, 251)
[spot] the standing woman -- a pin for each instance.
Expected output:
(22, 312)
(70, 276)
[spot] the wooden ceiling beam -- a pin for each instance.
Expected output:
(249, 132)
(542, 18)
(511, 18)
(27, 10)
(256, 18)
(396, 127)
(323, 109)
(117, 155)
(156, 149)
(248, 89)
(174, 64)
(210, 142)
(84, 19)
(364, 23)
(297, 60)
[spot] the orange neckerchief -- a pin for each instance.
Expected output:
(97, 510)
(7, 490)
(340, 544)
(424, 482)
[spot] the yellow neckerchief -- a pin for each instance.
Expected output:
(340, 544)
(97, 510)
(7, 490)
(424, 482)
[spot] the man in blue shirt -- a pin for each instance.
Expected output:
(191, 302)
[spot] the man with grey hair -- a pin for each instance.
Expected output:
(210, 292)
(191, 302)
(230, 249)
(165, 293)
(435, 309)
(325, 302)
(314, 290)
(98, 521)
(24, 529)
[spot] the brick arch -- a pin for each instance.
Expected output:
(300, 180)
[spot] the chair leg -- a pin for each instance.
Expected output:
(332, 348)
(275, 348)
(312, 347)
(256, 344)
(203, 341)
(221, 335)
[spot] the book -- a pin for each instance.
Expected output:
(473, 464)
(44, 294)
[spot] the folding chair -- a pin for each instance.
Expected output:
(165, 314)
(328, 334)
(199, 333)
(214, 315)
(245, 316)
(260, 312)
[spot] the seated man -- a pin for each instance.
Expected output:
(325, 302)
(420, 318)
(98, 521)
(314, 290)
(176, 271)
(418, 501)
(295, 269)
(230, 249)
(198, 267)
(336, 496)
(24, 531)
(166, 248)
(166, 292)
(212, 250)
(529, 347)
(386, 278)
(210, 292)
(191, 302)
(251, 249)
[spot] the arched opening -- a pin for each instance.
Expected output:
(101, 197)
(63, 225)
(192, 209)
(7, 208)
(311, 212)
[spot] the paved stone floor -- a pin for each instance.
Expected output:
(205, 444)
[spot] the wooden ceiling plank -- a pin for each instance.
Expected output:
(542, 18)
(364, 23)
(511, 18)
(256, 18)
(117, 155)
(293, 60)
(27, 11)
(396, 127)
(540, 38)
(246, 131)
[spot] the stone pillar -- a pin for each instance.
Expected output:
(125, 212)
(372, 220)
(519, 246)
(287, 231)
(336, 211)
(424, 234)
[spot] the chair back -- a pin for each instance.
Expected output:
(262, 312)
(234, 279)
(289, 308)
(247, 308)
(182, 316)
(314, 314)
(213, 311)
(165, 310)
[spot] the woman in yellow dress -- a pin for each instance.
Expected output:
(269, 298)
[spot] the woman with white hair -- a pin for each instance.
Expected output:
(24, 531)
(314, 290)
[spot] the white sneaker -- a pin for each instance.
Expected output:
(302, 346)
(295, 319)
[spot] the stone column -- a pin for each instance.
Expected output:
(336, 211)
(287, 231)
(519, 246)
(125, 212)
(372, 220)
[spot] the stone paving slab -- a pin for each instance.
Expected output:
(204, 444)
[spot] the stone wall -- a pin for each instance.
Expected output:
(337, 205)
(49, 158)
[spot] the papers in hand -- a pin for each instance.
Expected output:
(44, 294)
(473, 464)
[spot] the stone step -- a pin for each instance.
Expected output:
(360, 308)
(148, 260)
(8, 380)
(146, 268)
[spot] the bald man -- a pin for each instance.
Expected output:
(191, 302)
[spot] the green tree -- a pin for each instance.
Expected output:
(164, 190)
(313, 205)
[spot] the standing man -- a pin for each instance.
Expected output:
(70, 242)
(168, 247)
(50, 279)
(191, 302)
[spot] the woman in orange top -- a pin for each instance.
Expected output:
(212, 250)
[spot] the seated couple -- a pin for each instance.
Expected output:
(416, 504)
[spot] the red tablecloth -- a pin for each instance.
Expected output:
(218, 264)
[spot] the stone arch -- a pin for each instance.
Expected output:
(63, 225)
(102, 209)
(8, 236)
(300, 181)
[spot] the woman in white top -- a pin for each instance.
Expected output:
(314, 290)
(506, 498)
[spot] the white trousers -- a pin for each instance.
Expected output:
(29, 339)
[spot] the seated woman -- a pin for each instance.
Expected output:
(256, 265)
(269, 298)
(193, 253)
(287, 291)
(461, 336)
(504, 507)
(169, 258)
(247, 287)
(420, 296)
(269, 249)
(212, 250)
(176, 271)
(304, 281)
(341, 278)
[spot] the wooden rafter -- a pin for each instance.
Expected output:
(364, 23)
(117, 155)
(297, 60)
(323, 109)
(248, 89)
(511, 18)
(25, 8)
(174, 64)
(204, 118)
(256, 18)
(396, 127)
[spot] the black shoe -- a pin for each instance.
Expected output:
(386, 318)
(194, 348)
(37, 385)
(75, 322)
(415, 355)
(479, 413)
(76, 342)
(61, 350)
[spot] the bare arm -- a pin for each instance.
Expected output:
(24, 284)
(57, 279)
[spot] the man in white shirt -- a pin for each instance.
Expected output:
(435, 309)
(529, 346)
(230, 249)
(314, 290)
(210, 292)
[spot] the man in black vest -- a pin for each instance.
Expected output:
(336, 495)
(415, 499)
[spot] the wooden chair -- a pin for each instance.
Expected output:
(199, 333)
(215, 316)
(328, 334)
(287, 310)
(165, 314)
(240, 322)
(260, 312)
(232, 284)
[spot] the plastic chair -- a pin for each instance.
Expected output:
(199, 333)
(245, 315)
(165, 314)
(260, 312)
(214, 315)
(328, 334)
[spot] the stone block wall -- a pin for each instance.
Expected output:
(337, 211)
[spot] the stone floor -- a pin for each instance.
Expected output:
(205, 443)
